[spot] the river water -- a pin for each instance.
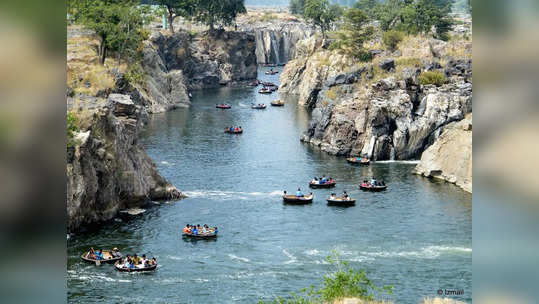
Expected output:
(415, 236)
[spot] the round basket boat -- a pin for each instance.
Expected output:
(277, 103)
(258, 107)
(107, 257)
(325, 185)
(120, 267)
(268, 84)
(223, 106)
(358, 160)
(341, 201)
(200, 236)
(265, 91)
(292, 199)
(373, 188)
(271, 72)
(233, 132)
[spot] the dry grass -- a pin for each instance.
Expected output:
(84, 72)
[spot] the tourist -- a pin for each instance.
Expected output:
(299, 193)
(136, 259)
(99, 255)
(116, 253)
(324, 180)
(345, 195)
(373, 181)
(187, 229)
(91, 254)
(127, 262)
(331, 180)
(194, 231)
(332, 196)
(204, 229)
(154, 261)
(231, 129)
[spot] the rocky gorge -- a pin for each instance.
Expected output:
(107, 170)
(381, 110)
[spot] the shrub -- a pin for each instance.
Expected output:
(342, 283)
(432, 77)
(392, 39)
(71, 128)
(135, 74)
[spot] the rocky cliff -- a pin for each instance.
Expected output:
(175, 64)
(450, 157)
(377, 109)
(107, 170)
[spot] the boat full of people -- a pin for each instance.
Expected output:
(101, 256)
(277, 103)
(322, 182)
(373, 185)
(135, 263)
(223, 106)
(265, 90)
(358, 160)
(343, 200)
(259, 106)
(298, 199)
(200, 232)
(234, 130)
(271, 72)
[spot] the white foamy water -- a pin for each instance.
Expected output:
(429, 252)
(235, 257)
(411, 162)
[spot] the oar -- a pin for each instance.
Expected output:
(97, 262)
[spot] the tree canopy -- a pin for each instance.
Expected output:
(322, 14)
(222, 12)
(177, 8)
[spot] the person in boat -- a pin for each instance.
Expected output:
(99, 255)
(331, 180)
(116, 253)
(373, 181)
(324, 179)
(345, 195)
(136, 259)
(332, 196)
(382, 183)
(154, 261)
(187, 229)
(299, 193)
(315, 180)
(231, 129)
(91, 253)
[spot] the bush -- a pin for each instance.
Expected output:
(432, 77)
(71, 128)
(344, 282)
(392, 39)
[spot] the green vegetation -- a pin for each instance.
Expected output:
(175, 9)
(392, 39)
(353, 34)
(117, 24)
(322, 14)
(297, 7)
(344, 282)
(71, 128)
(222, 12)
(432, 77)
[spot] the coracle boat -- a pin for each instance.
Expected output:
(234, 132)
(258, 107)
(277, 103)
(107, 257)
(315, 185)
(271, 72)
(265, 91)
(358, 160)
(341, 201)
(292, 199)
(273, 88)
(121, 267)
(268, 84)
(373, 188)
(223, 106)
(203, 236)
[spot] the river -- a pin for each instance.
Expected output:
(416, 236)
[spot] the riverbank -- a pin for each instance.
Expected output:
(107, 170)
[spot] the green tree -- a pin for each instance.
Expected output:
(392, 39)
(222, 12)
(368, 6)
(353, 34)
(117, 24)
(297, 7)
(177, 8)
(322, 14)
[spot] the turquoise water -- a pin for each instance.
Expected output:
(415, 236)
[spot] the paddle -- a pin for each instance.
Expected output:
(97, 262)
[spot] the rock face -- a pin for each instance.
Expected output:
(450, 157)
(107, 170)
(391, 118)
(276, 43)
(175, 64)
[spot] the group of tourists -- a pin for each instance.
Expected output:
(199, 230)
(372, 183)
(132, 262)
(234, 129)
(98, 255)
(344, 196)
(323, 180)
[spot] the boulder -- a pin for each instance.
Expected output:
(387, 64)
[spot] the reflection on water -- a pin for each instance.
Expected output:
(415, 236)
